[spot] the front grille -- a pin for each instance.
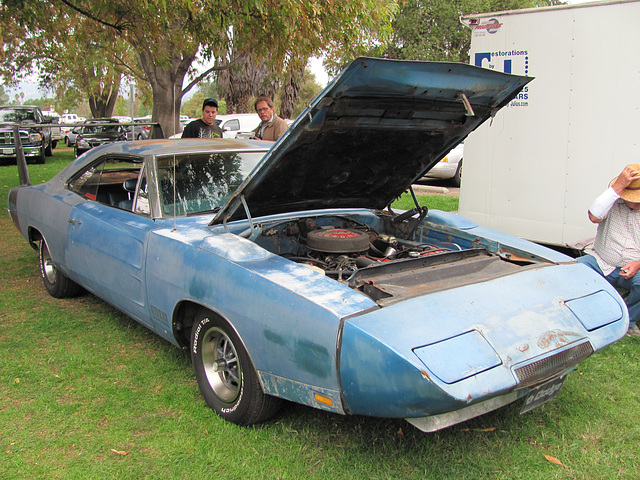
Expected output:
(544, 368)
(7, 138)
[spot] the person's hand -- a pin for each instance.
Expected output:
(629, 270)
(628, 175)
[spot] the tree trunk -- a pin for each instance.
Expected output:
(166, 81)
(290, 91)
(103, 102)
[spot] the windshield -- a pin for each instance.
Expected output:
(97, 128)
(17, 115)
(201, 182)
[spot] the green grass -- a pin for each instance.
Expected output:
(436, 202)
(80, 384)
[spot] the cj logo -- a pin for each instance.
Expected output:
(481, 57)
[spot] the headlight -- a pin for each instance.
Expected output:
(34, 137)
(595, 310)
(460, 357)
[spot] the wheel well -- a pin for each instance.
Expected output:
(183, 317)
(34, 237)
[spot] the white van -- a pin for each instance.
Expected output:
(232, 124)
(69, 118)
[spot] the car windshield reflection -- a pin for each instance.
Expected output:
(199, 183)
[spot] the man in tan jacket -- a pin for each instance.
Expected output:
(271, 126)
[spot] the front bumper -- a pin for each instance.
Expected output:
(452, 349)
(10, 151)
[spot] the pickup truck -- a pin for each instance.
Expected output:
(56, 129)
(34, 134)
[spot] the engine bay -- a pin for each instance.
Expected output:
(389, 262)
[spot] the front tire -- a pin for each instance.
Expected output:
(226, 377)
(57, 284)
(40, 159)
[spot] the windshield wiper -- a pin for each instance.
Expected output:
(202, 212)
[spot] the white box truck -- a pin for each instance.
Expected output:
(535, 169)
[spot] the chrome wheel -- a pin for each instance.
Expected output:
(221, 364)
(226, 376)
(56, 283)
(49, 272)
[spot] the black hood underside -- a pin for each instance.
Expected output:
(379, 126)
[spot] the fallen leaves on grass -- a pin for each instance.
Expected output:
(119, 452)
(554, 460)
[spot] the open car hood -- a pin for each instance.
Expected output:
(378, 127)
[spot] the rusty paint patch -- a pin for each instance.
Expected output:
(556, 337)
(524, 348)
(425, 375)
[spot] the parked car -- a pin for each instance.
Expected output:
(71, 118)
(233, 124)
(35, 135)
(71, 135)
(450, 166)
(68, 122)
(96, 132)
(287, 275)
(138, 132)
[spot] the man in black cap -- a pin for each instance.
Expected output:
(204, 127)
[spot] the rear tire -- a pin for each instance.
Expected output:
(226, 377)
(56, 283)
(457, 178)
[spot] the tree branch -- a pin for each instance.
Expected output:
(81, 11)
(205, 74)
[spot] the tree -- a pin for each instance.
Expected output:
(70, 56)
(249, 76)
(291, 90)
(431, 30)
(4, 98)
(167, 36)
(309, 89)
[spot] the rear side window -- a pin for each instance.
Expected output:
(115, 182)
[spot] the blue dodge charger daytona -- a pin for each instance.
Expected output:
(284, 271)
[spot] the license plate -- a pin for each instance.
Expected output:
(543, 393)
(7, 151)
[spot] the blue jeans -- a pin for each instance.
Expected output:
(614, 278)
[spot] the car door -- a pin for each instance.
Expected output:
(107, 239)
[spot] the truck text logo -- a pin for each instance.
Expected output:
(492, 26)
